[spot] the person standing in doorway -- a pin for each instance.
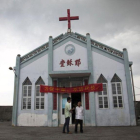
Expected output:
(68, 110)
(79, 114)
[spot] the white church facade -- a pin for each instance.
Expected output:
(71, 60)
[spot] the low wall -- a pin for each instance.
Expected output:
(137, 106)
(5, 113)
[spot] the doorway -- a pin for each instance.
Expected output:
(76, 97)
(63, 99)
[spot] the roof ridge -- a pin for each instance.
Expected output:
(106, 48)
(102, 46)
(38, 50)
(34, 52)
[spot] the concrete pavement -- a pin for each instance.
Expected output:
(8, 132)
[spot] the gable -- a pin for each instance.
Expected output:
(77, 39)
(70, 55)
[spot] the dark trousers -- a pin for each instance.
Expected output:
(67, 120)
(81, 125)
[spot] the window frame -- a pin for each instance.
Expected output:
(26, 97)
(39, 97)
(102, 96)
(117, 95)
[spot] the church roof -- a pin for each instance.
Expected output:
(78, 37)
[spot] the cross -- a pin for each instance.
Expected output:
(69, 18)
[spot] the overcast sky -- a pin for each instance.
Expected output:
(27, 24)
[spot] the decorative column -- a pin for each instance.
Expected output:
(92, 107)
(129, 88)
(50, 68)
(16, 92)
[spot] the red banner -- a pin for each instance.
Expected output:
(86, 88)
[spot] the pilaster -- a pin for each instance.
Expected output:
(16, 92)
(129, 88)
(91, 81)
(50, 68)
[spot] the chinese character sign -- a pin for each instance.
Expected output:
(62, 63)
(87, 88)
(70, 62)
(77, 62)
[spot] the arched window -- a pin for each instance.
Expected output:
(103, 95)
(39, 100)
(117, 91)
(27, 90)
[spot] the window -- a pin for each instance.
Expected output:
(103, 95)
(65, 84)
(117, 92)
(39, 100)
(76, 83)
(27, 90)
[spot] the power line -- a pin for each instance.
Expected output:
(137, 87)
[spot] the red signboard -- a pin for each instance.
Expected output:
(86, 88)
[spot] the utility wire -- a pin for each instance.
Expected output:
(137, 87)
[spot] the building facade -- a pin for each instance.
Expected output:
(71, 60)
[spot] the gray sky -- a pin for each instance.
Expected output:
(27, 24)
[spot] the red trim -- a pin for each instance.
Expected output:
(86, 97)
(54, 96)
(85, 88)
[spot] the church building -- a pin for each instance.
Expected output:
(71, 60)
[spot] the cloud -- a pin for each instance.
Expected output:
(127, 39)
(25, 25)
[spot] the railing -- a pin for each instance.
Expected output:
(57, 39)
(33, 53)
(83, 38)
(107, 49)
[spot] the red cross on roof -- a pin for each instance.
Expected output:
(69, 18)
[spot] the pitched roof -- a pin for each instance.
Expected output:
(78, 37)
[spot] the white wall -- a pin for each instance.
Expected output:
(59, 54)
(33, 71)
(32, 119)
(108, 67)
(101, 65)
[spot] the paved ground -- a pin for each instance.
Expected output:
(8, 132)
